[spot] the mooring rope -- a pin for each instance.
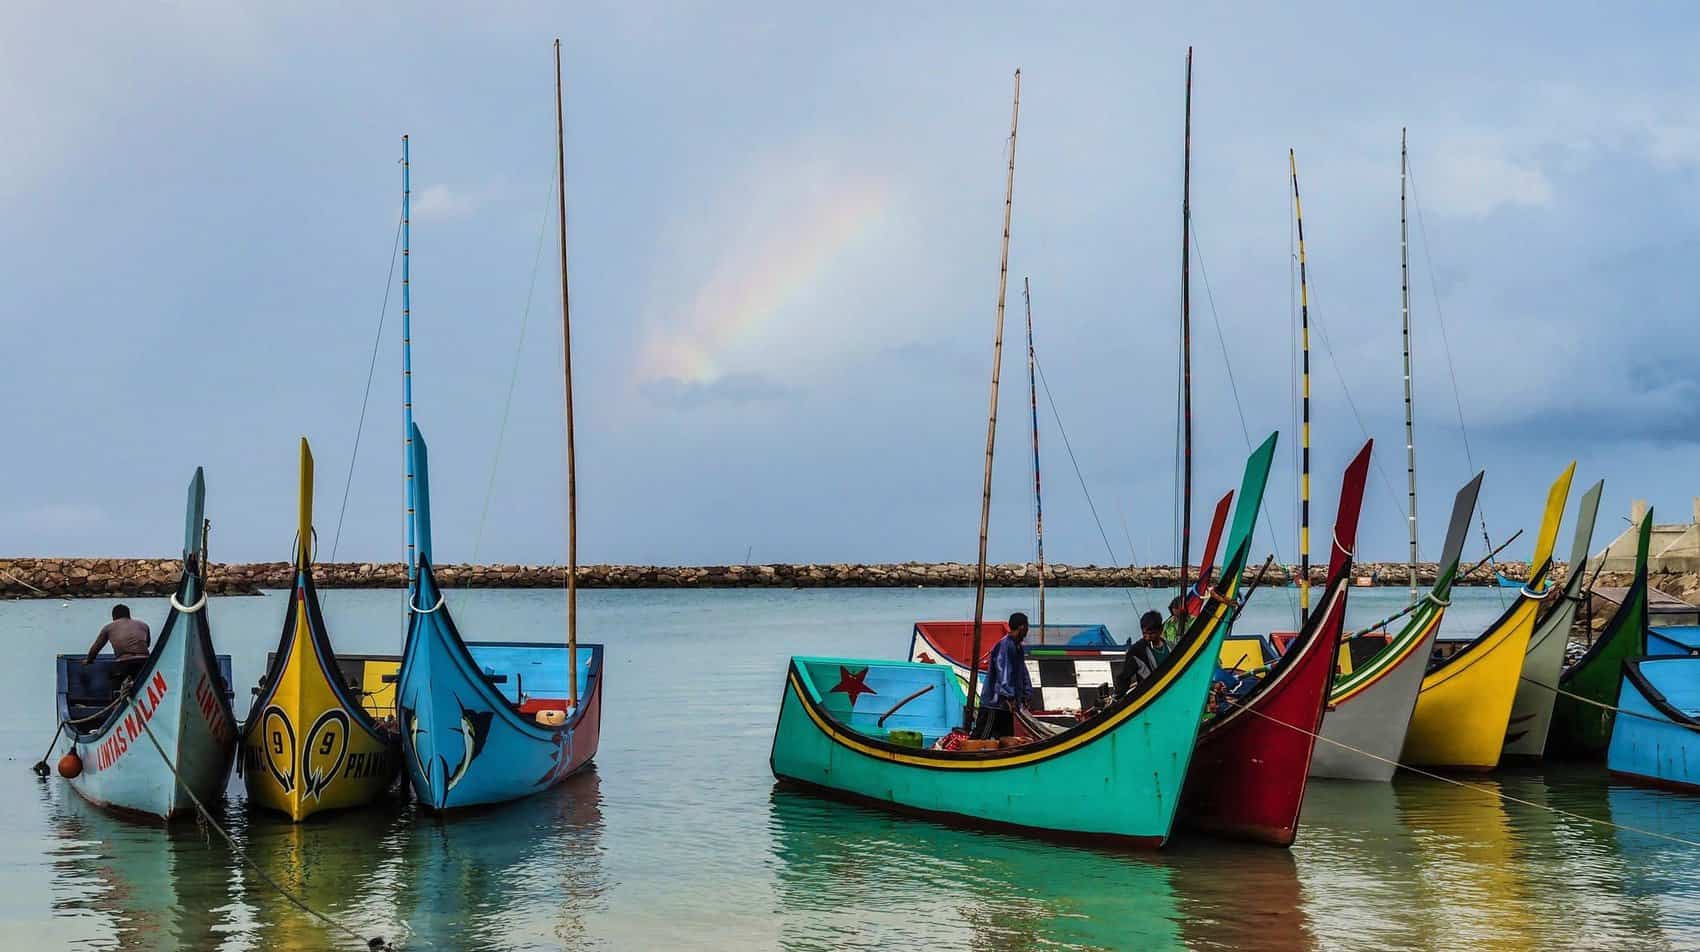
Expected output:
(374, 943)
(1500, 794)
(1607, 707)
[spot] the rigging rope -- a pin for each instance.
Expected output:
(371, 371)
(375, 942)
(1500, 794)
(1040, 371)
(1446, 347)
(1234, 387)
(513, 377)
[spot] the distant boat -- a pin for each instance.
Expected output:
(313, 740)
(1465, 703)
(152, 745)
(1506, 581)
(1656, 740)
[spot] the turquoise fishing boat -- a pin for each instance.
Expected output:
(1656, 740)
(1115, 778)
(153, 743)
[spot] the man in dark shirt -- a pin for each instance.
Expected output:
(1143, 655)
(130, 641)
(1007, 683)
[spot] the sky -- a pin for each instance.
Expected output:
(784, 226)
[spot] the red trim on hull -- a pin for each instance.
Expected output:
(1111, 841)
(1656, 783)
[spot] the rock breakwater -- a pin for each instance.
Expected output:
(73, 578)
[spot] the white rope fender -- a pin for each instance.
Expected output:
(426, 611)
(188, 609)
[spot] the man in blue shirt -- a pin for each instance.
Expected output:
(1007, 683)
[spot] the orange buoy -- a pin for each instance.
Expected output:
(70, 765)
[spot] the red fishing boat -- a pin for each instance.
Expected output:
(1248, 772)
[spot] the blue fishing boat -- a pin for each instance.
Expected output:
(490, 722)
(487, 722)
(1656, 737)
(1673, 640)
(153, 742)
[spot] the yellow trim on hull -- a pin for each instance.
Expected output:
(1465, 703)
(850, 738)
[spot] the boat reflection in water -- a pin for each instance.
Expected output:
(1658, 878)
(847, 876)
(131, 885)
(346, 865)
(522, 874)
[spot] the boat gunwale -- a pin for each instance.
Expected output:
(1450, 665)
(481, 683)
(319, 644)
(1651, 693)
(202, 634)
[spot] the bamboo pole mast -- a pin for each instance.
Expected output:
(567, 385)
(1405, 320)
(407, 359)
(1304, 425)
(1186, 341)
(992, 417)
(1038, 494)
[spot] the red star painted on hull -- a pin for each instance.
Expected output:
(853, 683)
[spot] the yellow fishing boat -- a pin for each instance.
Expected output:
(1465, 701)
(321, 732)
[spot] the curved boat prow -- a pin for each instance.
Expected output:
(1465, 702)
(1370, 707)
(1247, 778)
(1582, 724)
(155, 744)
(485, 722)
(1531, 711)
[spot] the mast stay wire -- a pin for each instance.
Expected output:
(1046, 386)
(371, 372)
(1239, 408)
(513, 377)
(1446, 348)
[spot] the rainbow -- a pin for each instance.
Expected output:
(751, 287)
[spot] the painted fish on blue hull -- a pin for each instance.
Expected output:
(171, 737)
(486, 722)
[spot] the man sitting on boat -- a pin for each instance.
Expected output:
(130, 639)
(1145, 653)
(1007, 683)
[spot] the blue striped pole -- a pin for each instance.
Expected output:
(407, 358)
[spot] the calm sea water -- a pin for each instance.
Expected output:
(678, 839)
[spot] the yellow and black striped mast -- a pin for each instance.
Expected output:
(1304, 385)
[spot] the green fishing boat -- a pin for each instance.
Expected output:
(1583, 713)
(848, 729)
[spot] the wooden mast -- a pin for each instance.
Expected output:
(1186, 340)
(1405, 321)
(567, 384)
(1304, 425)
(992, 417)
(1038, 494)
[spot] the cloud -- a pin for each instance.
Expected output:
(444, 202)
(1476, 182)
(735, 389)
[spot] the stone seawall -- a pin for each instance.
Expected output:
(70, 578)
